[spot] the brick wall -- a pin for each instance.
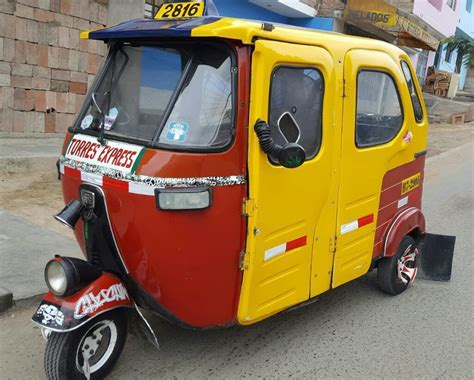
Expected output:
(311, 3)
(45, 69)
(327, 7)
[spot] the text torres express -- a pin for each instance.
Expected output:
(102, 154)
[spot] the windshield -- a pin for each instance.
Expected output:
(179, 97)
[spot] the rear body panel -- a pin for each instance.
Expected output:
(396, 198)
(371, 177)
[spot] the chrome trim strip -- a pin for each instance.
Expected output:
(153, 181)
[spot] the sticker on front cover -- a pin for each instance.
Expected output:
(87, 121)
(109, 120)
(177, 132)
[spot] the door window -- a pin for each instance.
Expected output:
(415, 100)
(379, 112)
(299, 92)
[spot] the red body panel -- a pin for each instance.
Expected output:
(391, 194)
(187, 260)
(403, 223)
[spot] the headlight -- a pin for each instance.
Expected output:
(55, 277)
(196, 198)
(66, 275)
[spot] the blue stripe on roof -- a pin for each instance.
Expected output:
(151, 28)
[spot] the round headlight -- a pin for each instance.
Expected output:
(56, 278)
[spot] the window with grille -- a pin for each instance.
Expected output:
(452, 4)
(449, 54)
(421, 65)
(151, 7)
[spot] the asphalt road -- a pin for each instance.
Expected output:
(354, 331)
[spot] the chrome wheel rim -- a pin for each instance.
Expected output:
(96, 347)
(406, 266)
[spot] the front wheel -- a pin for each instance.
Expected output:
(88, 352)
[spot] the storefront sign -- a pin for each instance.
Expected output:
(417, 32)
(374, 17)
(407, 30)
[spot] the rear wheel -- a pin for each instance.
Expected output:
(88, 352)
(395, 273)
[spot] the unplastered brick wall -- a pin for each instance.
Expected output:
(45, 69)
(326, 8)
(311, 3)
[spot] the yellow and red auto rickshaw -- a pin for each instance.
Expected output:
(222, 170)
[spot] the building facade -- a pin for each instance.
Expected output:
(454, 61)
(45, 68)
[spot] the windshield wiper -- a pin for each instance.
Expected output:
(102, 114)
(108, 94)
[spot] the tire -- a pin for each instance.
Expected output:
(390, 277)
(64, 357)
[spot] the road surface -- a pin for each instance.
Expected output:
(354, 331)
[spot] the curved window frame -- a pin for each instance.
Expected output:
(319, 71)
(421, 119)
(153, 143)
(389, 74)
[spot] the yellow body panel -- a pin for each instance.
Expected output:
(247, 31)
(363, 169)
(288, 203)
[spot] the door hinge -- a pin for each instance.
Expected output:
(333, 244)
(243, 260)
(248, 207)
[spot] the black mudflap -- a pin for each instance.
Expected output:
(436, 257)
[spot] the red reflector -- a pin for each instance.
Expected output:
(300, 242)
(365, 220)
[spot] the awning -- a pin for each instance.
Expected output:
(392, 24)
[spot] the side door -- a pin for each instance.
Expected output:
(372, 144)
(285, 204)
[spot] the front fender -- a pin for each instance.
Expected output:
(404, 223)
(69, 313)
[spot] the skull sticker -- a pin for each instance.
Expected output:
(50, 315)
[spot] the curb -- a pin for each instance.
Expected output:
(6, 299)
(442, 155)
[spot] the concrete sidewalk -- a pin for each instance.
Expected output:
(30, 195)
(25, 249)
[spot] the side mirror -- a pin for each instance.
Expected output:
(291, 155)
(289, 128)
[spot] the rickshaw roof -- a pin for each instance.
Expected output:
(243, 30)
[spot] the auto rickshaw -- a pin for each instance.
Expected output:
(222, 171)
